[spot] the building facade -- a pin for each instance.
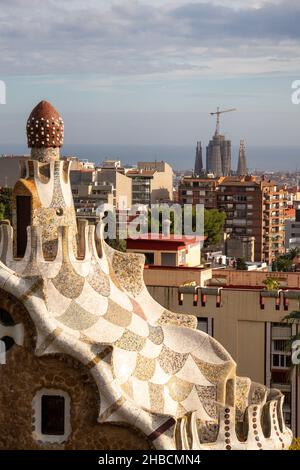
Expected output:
(256, 212)
(292, 232)
(121, 187)
(194, 190)
(161, 183)
(167, 251)
(240, 313)
(254, 207)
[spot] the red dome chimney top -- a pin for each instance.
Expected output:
(45, 127)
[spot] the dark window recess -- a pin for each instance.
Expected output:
(53, 415)
(168, 259)
(23, 221)
(202, 324)
(280, 377)
(6, 320)
(149, 258)
(276, 360)
(8, 341)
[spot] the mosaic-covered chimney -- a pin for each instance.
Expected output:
(45, 132)
(43, 196)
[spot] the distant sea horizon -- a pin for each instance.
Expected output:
(261, 158)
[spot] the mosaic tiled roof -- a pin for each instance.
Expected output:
(45, 127)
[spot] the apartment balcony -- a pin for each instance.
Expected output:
(281, 332)
(281, 386)
(89, 202)
(276, 239)
(285, 368)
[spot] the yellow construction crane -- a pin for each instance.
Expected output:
(218, 113)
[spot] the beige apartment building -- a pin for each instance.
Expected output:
(152, 182)
(87, 197)
(92, 188)
(243, 316)
(121, 188)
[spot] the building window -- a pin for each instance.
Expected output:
(280, 378)
(280, 345)
(51, 418)
(168, 259)
(281, 360)
(181, 257)
(53, 415)
(23, 207)
(6, 321)
(239, 222)
(202, 324)
(149, 258)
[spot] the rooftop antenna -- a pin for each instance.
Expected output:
(218, 114)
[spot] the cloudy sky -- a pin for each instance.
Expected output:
(150, 71)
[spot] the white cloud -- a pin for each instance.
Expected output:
(143, 38)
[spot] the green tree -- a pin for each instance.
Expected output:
(117, 244)
(5, 203)
(2, 211)
(213, 223)
(295, 444)
(293, 253)
(283, 263)
(213, 226)
(241, 264)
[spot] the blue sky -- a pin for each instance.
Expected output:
(149, 72)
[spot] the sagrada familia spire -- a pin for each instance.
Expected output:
(198, 169)
(92, 360)
(242, 164)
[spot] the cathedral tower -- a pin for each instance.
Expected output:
(198, 169)
(242, 164)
